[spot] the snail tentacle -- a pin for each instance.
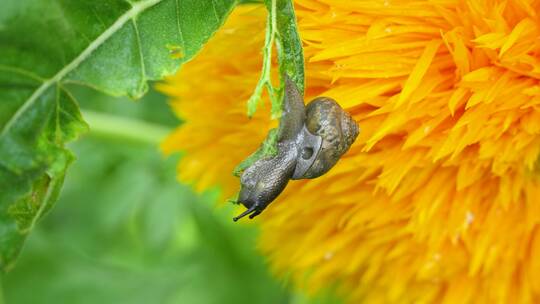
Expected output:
(248, 211)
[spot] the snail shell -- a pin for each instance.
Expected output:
(310, 142)
(337, 129)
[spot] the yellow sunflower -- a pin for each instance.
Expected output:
(438, 200)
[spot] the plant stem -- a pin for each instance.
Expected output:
(125, 128)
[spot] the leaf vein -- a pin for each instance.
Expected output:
(57, 131)
(22, 72)
(43, 205)
(180, 33)
(215, 11)
(141, 56)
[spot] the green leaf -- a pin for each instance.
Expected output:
(281, 31)
(49, 46)
(290, 52)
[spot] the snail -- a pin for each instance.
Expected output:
(310, 141)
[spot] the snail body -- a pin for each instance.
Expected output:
(263, 181)
(310, 142)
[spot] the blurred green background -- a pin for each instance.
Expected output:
(125, 231)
